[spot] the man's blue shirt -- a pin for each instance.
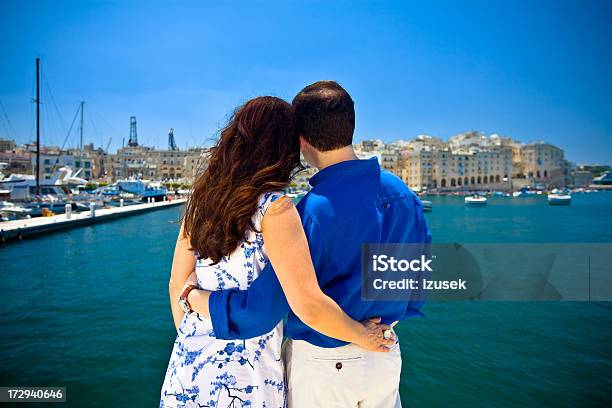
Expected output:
(351, 203)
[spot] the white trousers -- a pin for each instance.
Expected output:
(342, 377)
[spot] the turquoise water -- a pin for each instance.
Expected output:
(88, 309)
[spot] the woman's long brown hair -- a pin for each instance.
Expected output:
(257, 152)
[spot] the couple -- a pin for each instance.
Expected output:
(246, 257)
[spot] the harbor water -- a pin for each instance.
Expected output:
(88, 309)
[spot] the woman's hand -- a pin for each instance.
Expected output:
(198, 300)
(373, 338)
(191, 280)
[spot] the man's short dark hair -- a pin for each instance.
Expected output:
(325, 115)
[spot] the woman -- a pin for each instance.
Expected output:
(236, 221)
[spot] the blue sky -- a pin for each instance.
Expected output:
(532, 70)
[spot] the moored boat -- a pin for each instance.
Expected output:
(604, 180)
(427, 206)
(475, 200)
(559, 199)
(143, 188)
(10, 211)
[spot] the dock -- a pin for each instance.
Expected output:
(26, 228)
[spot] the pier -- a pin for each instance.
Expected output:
(26, 228)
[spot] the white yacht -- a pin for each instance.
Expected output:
(10, 211)
(142, 188)
(603, 180)
(559, 199)
(475, 200)
(23, 186)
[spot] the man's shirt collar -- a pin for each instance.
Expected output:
(345, 168)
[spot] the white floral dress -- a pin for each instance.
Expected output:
(208, 372)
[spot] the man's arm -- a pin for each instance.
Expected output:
(243, 314)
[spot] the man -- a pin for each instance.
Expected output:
(352, 202)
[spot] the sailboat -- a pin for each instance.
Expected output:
(51, 192)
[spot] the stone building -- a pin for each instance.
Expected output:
(543, 163)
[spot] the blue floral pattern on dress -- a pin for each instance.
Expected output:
(208, 372)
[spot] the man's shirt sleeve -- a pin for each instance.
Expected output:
(243, 314)
(421, 235)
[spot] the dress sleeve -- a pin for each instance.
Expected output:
(265, 201)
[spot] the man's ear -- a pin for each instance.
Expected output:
(303, 143)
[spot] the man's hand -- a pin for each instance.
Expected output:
(373, 338)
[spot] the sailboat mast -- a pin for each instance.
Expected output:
(81, 142)
(37, 127)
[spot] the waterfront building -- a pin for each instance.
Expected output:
(7, 145)
(427, 142)
(389, 160)
(100, 162)
(133, 161)
(543, 163)
(473, 169)
(53, 159)
(170, 164)
(370, 145)
(195, 161)
(582, 178)
(416, 168)
(469, 161)
(16, 161)
(150, 163)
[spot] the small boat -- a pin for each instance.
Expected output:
(143, 188)
(559, 199)
(10, 211)
(604, 180)
(427, 206)
(475, 200)
(154, 193)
